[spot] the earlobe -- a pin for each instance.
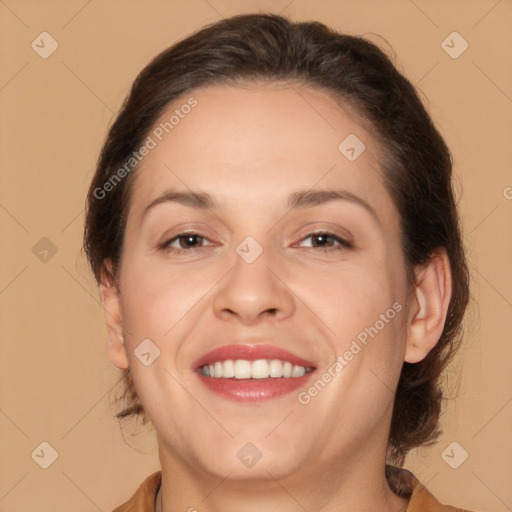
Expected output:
(429, 306)
(111, 302)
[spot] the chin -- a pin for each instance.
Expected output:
(254, 458)
(269, 467)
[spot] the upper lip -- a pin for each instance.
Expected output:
(250, 353)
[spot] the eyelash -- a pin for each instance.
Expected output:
(166, 246)
(342, 243)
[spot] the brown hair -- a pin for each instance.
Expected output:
(416, 164)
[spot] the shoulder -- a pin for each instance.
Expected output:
(404, 483)
(144, 498)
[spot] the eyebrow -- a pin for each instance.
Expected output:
(309, 198)
(192, 199)
(297, 200)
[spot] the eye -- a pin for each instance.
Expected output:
(185, 242)
(325, 240)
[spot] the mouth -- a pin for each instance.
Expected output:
(259, 369)
(252, 373)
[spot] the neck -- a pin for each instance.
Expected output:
(355, 485)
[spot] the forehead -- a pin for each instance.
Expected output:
(258, 141)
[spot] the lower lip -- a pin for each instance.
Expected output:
(253, 390)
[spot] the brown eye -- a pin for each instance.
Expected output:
(324, 241)
(188, 241)
(185, 242)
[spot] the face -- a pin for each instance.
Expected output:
(256, 235)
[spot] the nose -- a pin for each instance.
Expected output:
(252, 293)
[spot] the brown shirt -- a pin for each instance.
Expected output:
(407, 485)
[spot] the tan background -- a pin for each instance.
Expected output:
(55, 112)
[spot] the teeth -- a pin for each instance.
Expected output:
(243, 369)
(228, 369)
(276, 368)
(298, 371)
(259, 369)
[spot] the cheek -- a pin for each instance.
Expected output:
(363, 306)
(352, 297)
(377, 337)
(155, 297)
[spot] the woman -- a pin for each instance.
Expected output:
(277, 246)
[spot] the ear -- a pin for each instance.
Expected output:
(111, 302)
(428, 307)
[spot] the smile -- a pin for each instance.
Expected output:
(252, 373)
(259, 369)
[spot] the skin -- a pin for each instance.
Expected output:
(250, 148)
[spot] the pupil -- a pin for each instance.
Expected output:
(322, 239)
(191, 240)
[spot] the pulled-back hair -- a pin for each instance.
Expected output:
(416, 166)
